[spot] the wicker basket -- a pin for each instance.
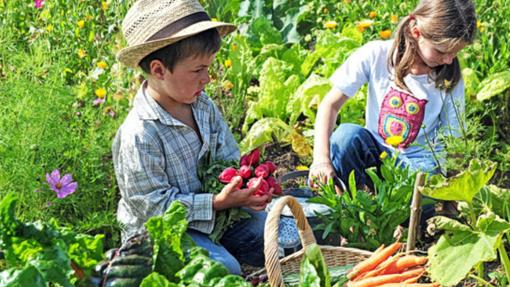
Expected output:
(276, 268)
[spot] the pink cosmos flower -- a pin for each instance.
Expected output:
(63, 186)
(38, 4)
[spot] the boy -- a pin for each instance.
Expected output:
(173, 125)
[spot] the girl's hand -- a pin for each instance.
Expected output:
(230, 196)
(320, 173)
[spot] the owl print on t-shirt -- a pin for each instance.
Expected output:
(401, 115)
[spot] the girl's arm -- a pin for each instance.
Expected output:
(324, 125)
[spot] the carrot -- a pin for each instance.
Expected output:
(379, 269)
(374, 260)
(410, 285)
(388, 278)
(404, 263)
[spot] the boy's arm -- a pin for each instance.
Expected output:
(145, 186)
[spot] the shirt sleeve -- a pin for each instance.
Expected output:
(226, 146)
(452, 113)
(145, 187)
(355, 71)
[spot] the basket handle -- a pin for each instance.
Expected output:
(272, 264)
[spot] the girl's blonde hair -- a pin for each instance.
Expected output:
(444, 22)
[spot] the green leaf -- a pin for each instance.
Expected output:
(314, 255)
(457, 252)
(28, 276)
(471, 81)
(262, 132)
(307, 98)
(448, 224)
(493, 85)
(463, 186)
(156, 280)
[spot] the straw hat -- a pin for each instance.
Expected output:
(150, 25)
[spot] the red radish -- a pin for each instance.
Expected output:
(263, 187)
(245, 171)
(270, 165)
(251, 159)
(227, 174)
(277, 189)
(262, 171)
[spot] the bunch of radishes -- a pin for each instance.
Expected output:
(250, 170)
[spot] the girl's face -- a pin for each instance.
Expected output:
(433, 54)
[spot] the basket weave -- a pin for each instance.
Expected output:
(276, 268)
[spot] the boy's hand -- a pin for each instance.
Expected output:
(230, 196)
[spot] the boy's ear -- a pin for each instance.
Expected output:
(157, 69)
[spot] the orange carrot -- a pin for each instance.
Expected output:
(404, 263)
(374, 260)
(379, 269)
(410, 285)
(388, 278)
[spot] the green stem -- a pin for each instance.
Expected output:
(461, 122)
(432, 150)
(472, 214)
(504, 260)
(481, 280)
(480, 270)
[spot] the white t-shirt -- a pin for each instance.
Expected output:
(424, 114)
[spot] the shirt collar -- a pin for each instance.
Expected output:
(148, 109)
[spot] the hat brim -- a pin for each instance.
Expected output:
(131, 56)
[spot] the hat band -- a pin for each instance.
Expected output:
(180, 24)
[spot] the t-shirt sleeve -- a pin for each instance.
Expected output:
(355, 71)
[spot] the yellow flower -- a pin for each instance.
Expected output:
(234, 47)
(49, 28)
(362, 25)
(480, 26)
(102, 65)
(447, 84)
(383, 155)
(394, 19)
(227, 85)
(394, 141)
(301, 167)
(81, 53)
(214, 19)
(347, 1)
(385, 34)
(104, 5)
(101, 93)
(372, 14)
(228, 63)
(330, 24)
(81, 24)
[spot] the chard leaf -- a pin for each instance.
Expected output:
(262, 132)
(307, 97)
(28, 276)
(156, 280)
(463, 186)
(493, 85)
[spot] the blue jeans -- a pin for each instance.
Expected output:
(243, 242)
(353, 147)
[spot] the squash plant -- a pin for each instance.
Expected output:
(477, 238)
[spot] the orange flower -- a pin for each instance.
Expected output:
(362, 25)
(394, 19)
(385, 34)
(372, 14)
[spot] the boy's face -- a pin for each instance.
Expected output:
(188, 79)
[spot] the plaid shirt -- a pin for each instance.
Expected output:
(156, 159)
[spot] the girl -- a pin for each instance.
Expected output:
(415, 94)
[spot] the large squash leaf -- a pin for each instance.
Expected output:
(463, 186)
(461, 248)
(494, 85)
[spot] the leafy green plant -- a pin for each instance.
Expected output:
(367, 219)
(465, 245)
